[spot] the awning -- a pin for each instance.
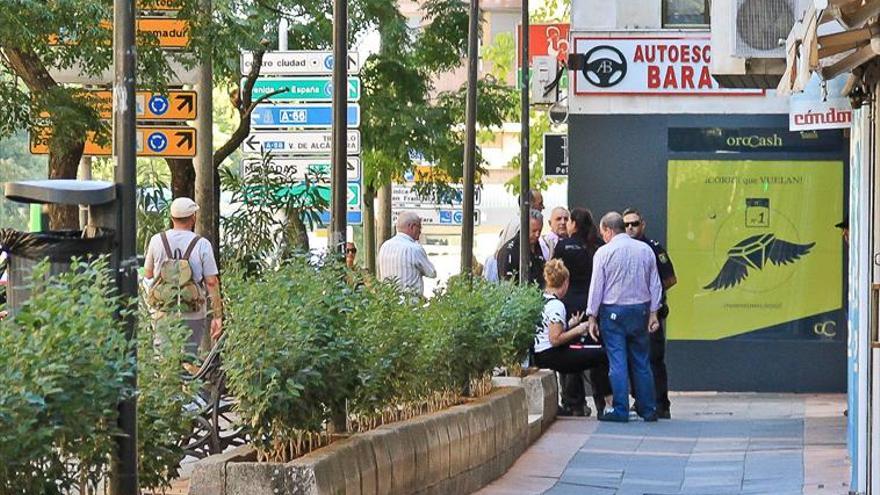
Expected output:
(833, 37)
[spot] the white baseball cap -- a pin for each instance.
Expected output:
(183, 208)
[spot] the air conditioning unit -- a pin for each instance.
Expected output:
(748, 40)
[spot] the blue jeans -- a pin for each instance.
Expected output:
(625, 333)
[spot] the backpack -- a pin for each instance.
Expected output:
(174, 288)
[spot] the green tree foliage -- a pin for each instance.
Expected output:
(17, 164)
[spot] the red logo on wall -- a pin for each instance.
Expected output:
(544, 39)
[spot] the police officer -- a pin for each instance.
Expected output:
(635, 228)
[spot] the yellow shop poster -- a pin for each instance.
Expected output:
(754, 244)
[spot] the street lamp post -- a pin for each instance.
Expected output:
(340, 127)
(467, 222)
(524, 152)
(124, 469)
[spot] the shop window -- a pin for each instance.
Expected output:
(685, 13)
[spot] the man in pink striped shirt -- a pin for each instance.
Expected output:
(624, 297)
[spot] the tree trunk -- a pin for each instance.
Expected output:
(183, 177)
(383, 212)
(297, 235)
(370, 228)
(63, 164)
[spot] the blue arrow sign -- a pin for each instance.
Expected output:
(318, 116)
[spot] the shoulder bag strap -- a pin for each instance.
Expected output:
(192, 245)
(166, 245)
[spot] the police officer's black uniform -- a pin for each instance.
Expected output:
(658, 338)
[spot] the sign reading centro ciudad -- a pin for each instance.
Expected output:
(648, 66)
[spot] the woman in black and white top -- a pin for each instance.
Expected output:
(557, 338)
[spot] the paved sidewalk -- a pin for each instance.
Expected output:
(716, 444)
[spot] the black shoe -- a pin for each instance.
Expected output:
(651, 418)
(614, 418)
(566, 411)
(663, 413)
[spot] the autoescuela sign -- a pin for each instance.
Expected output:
(648, 66)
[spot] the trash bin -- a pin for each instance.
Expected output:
(26, 249)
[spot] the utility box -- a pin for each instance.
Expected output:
(545, 87)
(26, 249)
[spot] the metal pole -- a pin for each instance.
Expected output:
(339, 143)
(467, 222)
(283, 27)
(124, 469)
(524, 152)
(204, 160)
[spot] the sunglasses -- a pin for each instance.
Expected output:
(632, 224)
(351, 251)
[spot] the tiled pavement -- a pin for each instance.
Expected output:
(716, 444)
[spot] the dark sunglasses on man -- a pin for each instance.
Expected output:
(632, 224)
(351, 251)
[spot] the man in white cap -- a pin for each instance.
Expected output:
(181, 243)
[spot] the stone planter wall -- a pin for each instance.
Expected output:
(458, 450)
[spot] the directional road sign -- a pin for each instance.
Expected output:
(317, 116)
(303, 88)
(173, 105)
(403, 195)
(78, 74)
(159, 5)
(298, 143)
(296, 169)
(167, 142)
(297, 63)
(169, 32)
(445, 216)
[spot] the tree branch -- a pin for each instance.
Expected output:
(30, 69)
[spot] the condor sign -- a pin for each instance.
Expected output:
(648, 66)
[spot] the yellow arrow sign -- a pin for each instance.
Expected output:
(166, 142)
(173, 105)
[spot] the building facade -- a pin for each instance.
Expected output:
(746, 208)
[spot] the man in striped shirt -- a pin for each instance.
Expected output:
(403, 259)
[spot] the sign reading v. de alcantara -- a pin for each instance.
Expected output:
(648, 65)
(755, 247)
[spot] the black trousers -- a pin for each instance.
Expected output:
(657, 356)
(572, 362)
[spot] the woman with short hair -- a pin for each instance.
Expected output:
(557, 338)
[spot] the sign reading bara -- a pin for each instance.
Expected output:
(447, 216)
(320, 116)
(317, 89)
(656, 65)
(167, 142)
(295, 169)
(555, 155)
(298, 143)
(292, 63)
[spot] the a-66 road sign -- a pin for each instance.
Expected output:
(314, 116)
(298, 143)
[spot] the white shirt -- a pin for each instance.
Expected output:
(201, 260)
(554, 312)
(624, 272)
(490, 269)
(404, 260)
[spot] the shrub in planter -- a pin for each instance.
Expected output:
(62, 373)
(163, 396)
(384, 324)
(289, 359)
